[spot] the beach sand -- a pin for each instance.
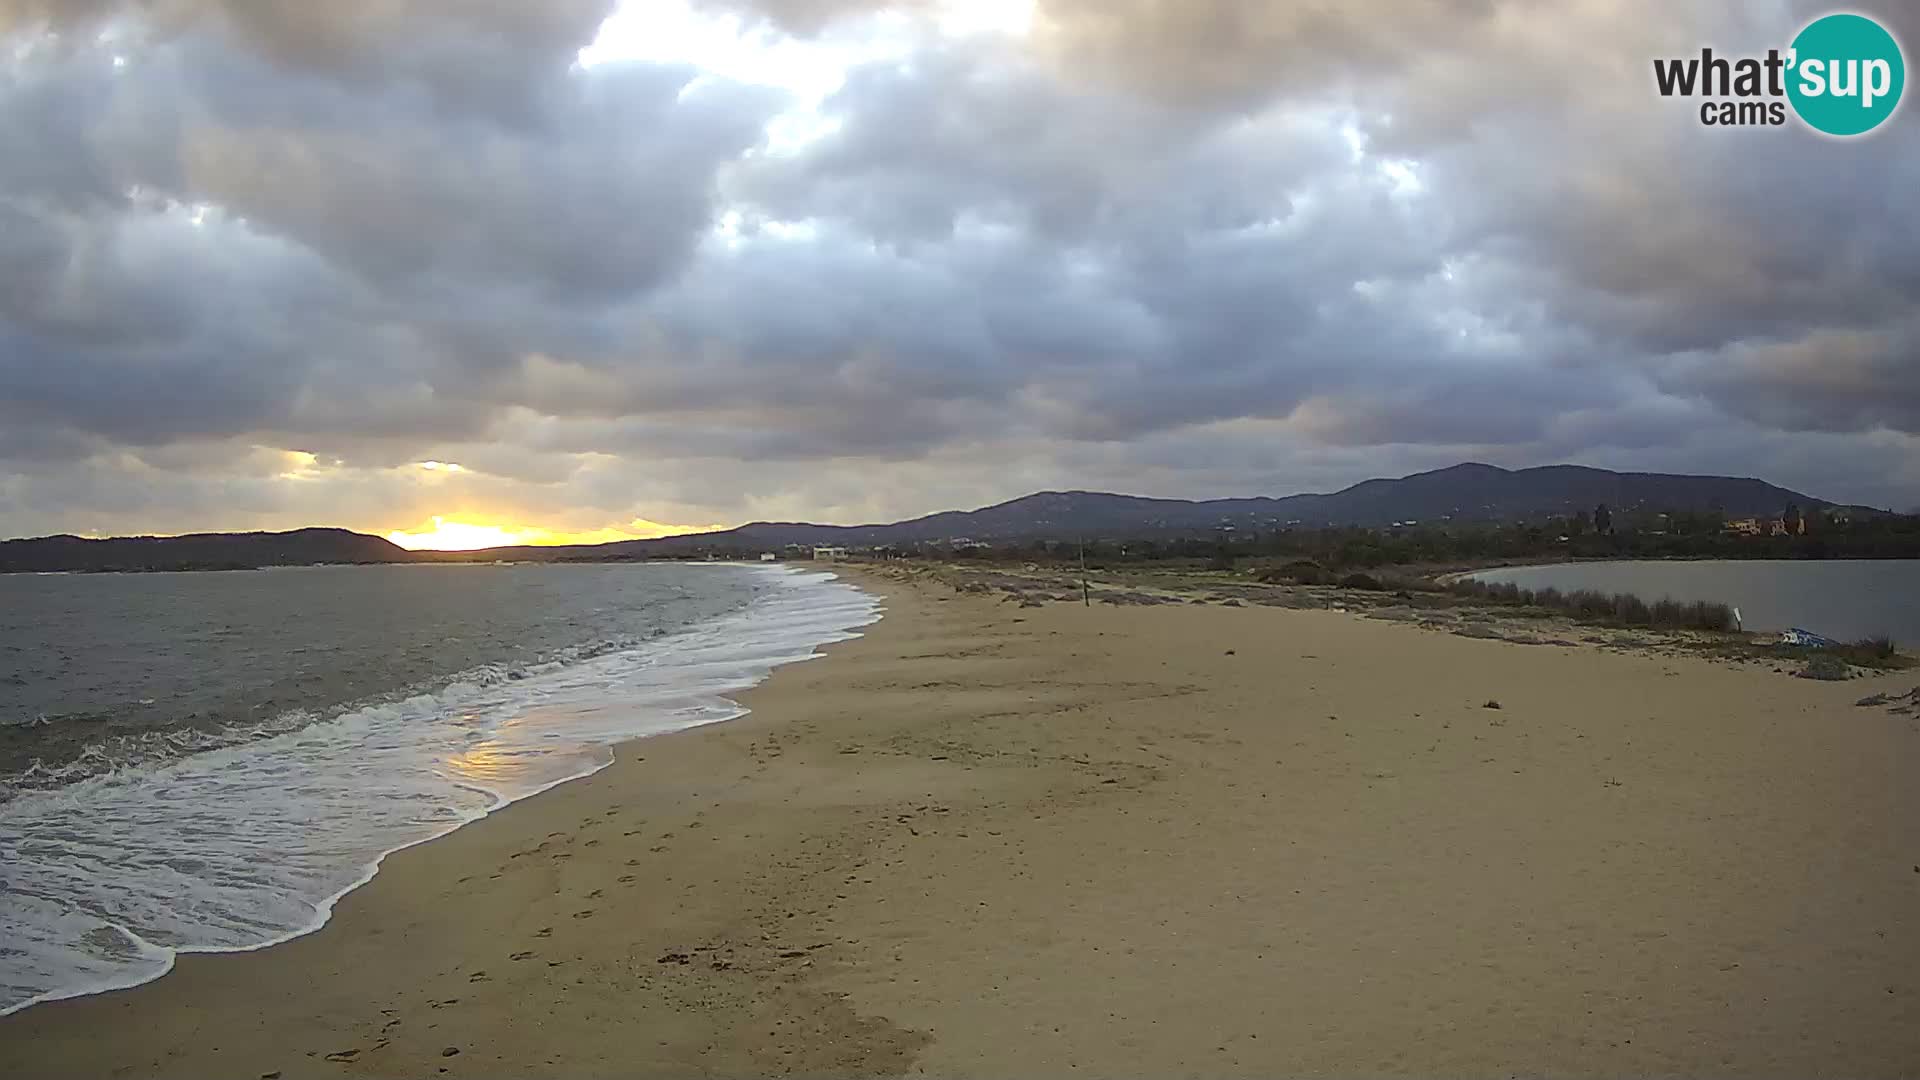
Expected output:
(1180, 840)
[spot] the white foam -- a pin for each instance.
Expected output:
(104, 881)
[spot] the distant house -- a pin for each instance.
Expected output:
(768, 556)
(1747, 527)
(829, 554)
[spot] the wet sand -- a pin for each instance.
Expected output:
(1195, 840)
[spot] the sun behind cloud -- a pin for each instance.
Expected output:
(450, 534)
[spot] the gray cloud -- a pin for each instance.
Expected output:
(1196, 249)
(489, 54)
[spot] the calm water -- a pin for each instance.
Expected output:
(1840, 598)
(206, 762)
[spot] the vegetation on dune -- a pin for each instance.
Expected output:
(1826, 668)
(1623, 609)
(1340, 550)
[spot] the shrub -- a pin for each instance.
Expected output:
(1298, 572)
(1592, 606)
(1632, 610)
(1361, 581)
(1879, 648)
(1826, 668)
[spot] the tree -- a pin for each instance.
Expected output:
(1602, 519)
(1791, 519)
(1222, 552)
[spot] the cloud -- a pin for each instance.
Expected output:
(490, 54)
(809, 17)
(1183, 249)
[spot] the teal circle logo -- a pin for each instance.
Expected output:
(1845, 74)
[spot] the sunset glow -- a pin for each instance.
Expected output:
(448, 534)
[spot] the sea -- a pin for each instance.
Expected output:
(206, 762)
(1845, 599)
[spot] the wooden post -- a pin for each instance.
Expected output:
(1086, 595)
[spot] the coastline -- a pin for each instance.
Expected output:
(669, 683)
(991, 839)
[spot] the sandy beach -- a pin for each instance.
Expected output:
(990, 839)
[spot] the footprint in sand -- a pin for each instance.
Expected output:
(595, 894)
(479, 976)
(521, 956)
(587, 914)
(545, 931)
(623, 878)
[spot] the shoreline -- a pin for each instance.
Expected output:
(593, 760)
(1547, 563)
(987, 839)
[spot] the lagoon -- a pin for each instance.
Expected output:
(1840, 598)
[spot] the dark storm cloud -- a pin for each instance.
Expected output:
(1200, 249)
(1659, 240)
(1252, 263)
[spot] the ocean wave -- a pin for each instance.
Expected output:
(64, 749)
(105, 877)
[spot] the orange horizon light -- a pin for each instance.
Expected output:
(450, 534)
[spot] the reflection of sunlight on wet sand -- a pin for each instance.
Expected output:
(486, 764)
(517, 756)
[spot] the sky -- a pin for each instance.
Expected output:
(584, 270)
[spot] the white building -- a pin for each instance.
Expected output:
(829, 554)
(768, 556)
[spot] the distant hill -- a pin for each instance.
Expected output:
(201, 551)
(1462, 493)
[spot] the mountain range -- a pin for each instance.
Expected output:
(1461, 493)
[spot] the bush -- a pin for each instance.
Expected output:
(1879, 648)
(1873, 652)
(1297, 572)
(1589, 605)
(1361, 581)
(1825, 668)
